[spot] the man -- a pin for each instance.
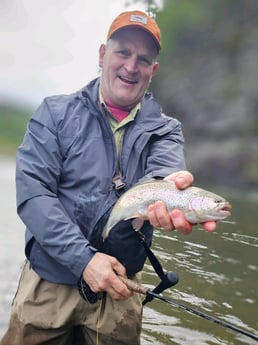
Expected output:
(80, 152)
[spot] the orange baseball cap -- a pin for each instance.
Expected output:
(137, 19)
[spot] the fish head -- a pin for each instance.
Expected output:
(209, 207)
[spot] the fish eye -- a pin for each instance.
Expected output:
(217, 201)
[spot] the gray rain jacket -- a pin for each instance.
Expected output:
(64, 173)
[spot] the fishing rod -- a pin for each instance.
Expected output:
(136, 287)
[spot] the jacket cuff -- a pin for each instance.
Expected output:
(79, 266)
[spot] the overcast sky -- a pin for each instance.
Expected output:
(50, 47)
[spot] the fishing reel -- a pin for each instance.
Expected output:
(168, 280)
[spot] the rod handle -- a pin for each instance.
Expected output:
(134, 286)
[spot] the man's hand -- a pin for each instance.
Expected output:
(101, 274)
(160, 218)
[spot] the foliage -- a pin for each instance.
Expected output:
(12, 127)
(208, 80)
(152, 6)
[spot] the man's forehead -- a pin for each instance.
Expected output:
(132, 35)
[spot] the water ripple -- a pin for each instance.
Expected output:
(241, 238)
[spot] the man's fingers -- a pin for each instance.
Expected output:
(182, 179)
(209, 226)
(180, 223)
(101, 274)
(117, 289)
(159, 217)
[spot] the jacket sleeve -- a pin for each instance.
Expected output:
(166, 151)
(38, 172)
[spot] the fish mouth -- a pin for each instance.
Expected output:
(225, 210)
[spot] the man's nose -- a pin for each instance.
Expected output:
(131, 65)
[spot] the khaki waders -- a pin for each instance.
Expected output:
(55, 314)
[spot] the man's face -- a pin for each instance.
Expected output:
(128, 62)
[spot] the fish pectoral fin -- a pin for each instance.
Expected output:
(137, 223)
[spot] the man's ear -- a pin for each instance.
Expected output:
(155, 68)
(102, 51)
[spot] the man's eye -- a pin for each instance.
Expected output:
(123, 53)
(145, 61)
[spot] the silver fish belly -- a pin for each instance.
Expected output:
(197, 204)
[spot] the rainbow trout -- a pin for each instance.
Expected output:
(198, 205)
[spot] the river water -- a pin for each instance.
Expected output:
(218, 273)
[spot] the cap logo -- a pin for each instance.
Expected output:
(138, 19)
